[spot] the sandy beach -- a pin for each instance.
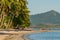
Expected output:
(2, 37)
(18, 35)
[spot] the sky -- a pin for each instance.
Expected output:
(41, 6)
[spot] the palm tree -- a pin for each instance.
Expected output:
(14, 13)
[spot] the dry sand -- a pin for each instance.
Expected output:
(2, 37)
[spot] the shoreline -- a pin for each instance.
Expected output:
(19, 35)
(38, 31)
(24, 37)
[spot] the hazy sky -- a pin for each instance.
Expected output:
(41, 6)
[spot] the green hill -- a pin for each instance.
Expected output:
(48, 18)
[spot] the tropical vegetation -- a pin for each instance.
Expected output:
(14, 14)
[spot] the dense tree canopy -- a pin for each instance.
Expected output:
(14, 14)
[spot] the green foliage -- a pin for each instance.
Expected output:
(14, 13)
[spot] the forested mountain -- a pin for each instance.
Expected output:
(48, 18)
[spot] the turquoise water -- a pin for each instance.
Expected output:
(45, 36)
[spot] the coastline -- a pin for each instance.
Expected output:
(24, 36)
(21, 34)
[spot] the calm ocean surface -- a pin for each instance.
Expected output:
(47, 28)
(44, 36)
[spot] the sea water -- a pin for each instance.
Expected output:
(36, 28)
(46, 28)
(44, 36)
